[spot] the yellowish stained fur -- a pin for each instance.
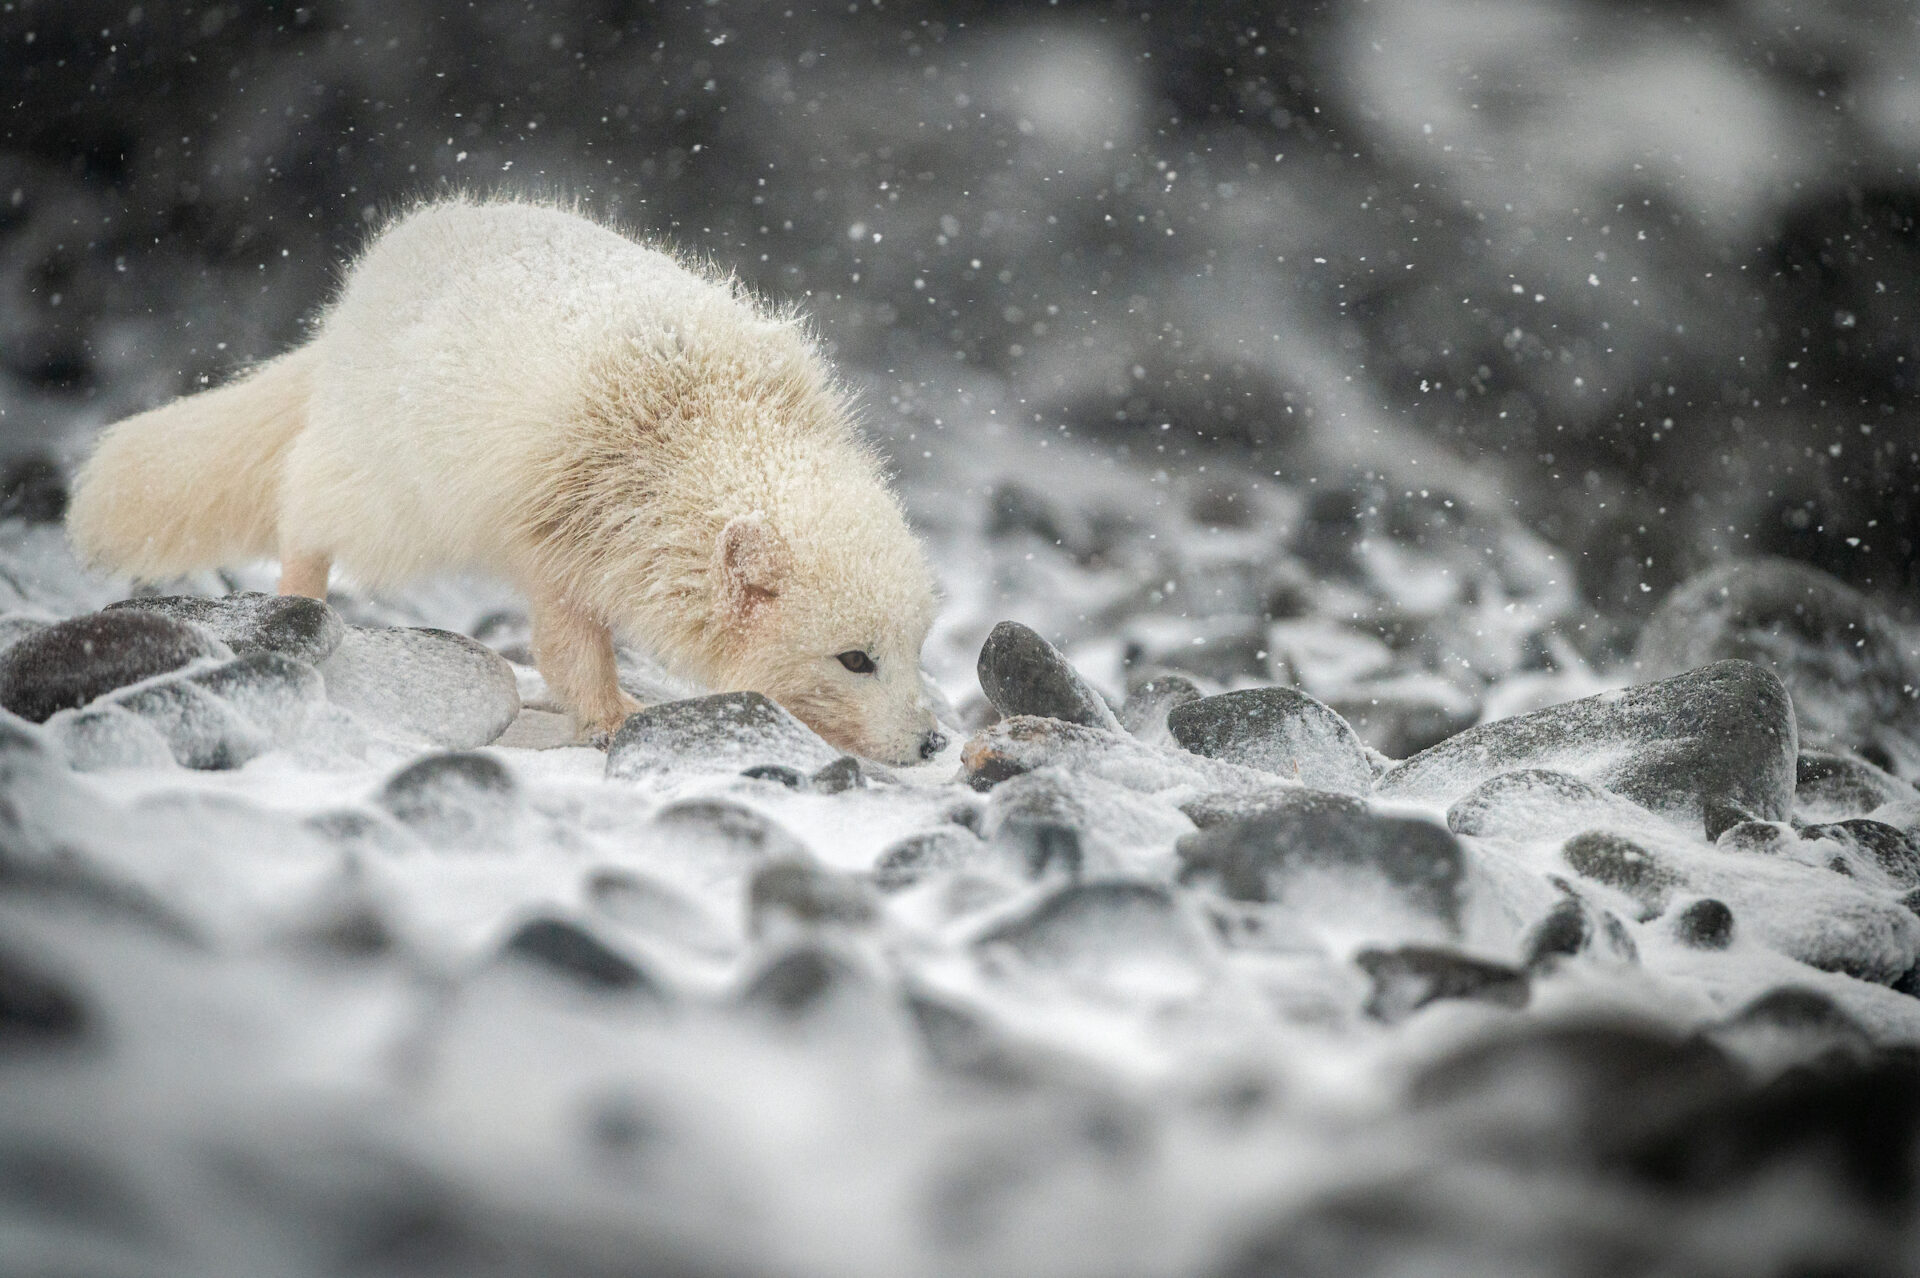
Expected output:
(640, 446)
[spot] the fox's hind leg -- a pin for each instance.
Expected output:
(575, 654)
(305, 575)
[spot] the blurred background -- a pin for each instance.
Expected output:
(1636, 280)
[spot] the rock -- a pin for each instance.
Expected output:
(1893, 850)
(1764, 838)
(1536, 803)
(658, 912)
(363, 830)
(918, 856)
(201, 730)
(1705, 924)
(33, 489)
(105, 737)
(726, 732)
(1721, 737)
(1625, 866)
(1279, 730)
(1410, 977)
(793, 893)
(68, 664)
(1026, 743)
(843, 774)
(1852, 675)
(1315, 860)
(1023, 674)
(803, 981)
(1574, 928)
(1403, 718)
(16, 626)
(455, 801)
(36, 1009)
(779, 774)
(1833, 787)
(1226, 806)
(430, 684)
(1145, 712)
(718, 831)
(1221, 647)
(207, 719)
(1102, 821)
(250, 621)
(568, 950)
(1122, 936)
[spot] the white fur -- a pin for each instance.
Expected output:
(637, 444)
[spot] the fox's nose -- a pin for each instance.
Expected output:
(933, 743)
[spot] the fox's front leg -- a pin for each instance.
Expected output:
(575, 655)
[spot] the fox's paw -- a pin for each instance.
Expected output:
(598, 731)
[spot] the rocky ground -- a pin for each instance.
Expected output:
(1345, 906)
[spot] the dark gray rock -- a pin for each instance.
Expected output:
(1227, 806)
(564, 948)
(68, 664)
(1416, 863)
(1705, 924)
(1279, 730)
(1852, 674)
(792, 892)
(779, 774)
(250, 621)
(657, 911)
(1400, 722)
(1410, 977)
(804, 981)
(1533, 803)
(1720, 739)
(723, 830)
(1576, 928)
(1622, 864)
(37, 1009)
(1128, 930)
(1896, 852)
(455, 801)
(429, 684)
(1764, 838)
(17, 626)
(202, 730)
(1832, 787)
(726, 732)
(843, 774)
(1023, 674)
(33, 489)
(918, 856)
(1144, 713)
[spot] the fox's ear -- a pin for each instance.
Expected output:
(752, 562)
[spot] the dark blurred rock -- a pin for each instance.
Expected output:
(202, 731)
(1109, 930)
(1573, 928)
(914, 858)
(725, 830)
(1223, 808)
(1718, 737)
(70, 663)
(33, 489)
(657, 911)
(1219, 648)
(1851, 673)
(1833, 787)
(36, 1008)
(1281, 854)
(1144, 713)
(1407, 979)
(1622, 864)
(455, 801)
(779, 774)
(1015, 508)
(802, 981)
(567, 950)
(1400, 722)
(1705, 924)
(726, 732)
(249, 621)
(1767, 838)
(432, 684)
(1023, 674)
(1279, 730)
(800, 893)
(843, 774)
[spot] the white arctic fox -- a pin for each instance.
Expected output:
(638, 445)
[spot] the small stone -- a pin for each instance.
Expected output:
(1400, 721)
(1765, 838)
(919, 856)
(1023, 674)
(1121, 935)
(1289, 856)
(799, 893)
(803, 981)
(36, 1009)
(722, 830)
(249, 621)
(1407, 979)
(1227, 806)
(455, 801)
(1279, 730)
(1573, 928)
(1718, 738)
(1145, 712)
(657, 911)
(33, 489)
(202, 730)
(1535, 803)
(843, 774)
(68, 664)
(726, 732)
(1623, 865)
(1705, 924)
(779, 774)
(566, 949)
(431, 684)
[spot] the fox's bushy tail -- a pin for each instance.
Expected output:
(195, 483)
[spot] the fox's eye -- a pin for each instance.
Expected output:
(856, 661)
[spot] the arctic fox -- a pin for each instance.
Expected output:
(639, 446)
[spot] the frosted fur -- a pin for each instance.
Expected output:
(638, 445)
